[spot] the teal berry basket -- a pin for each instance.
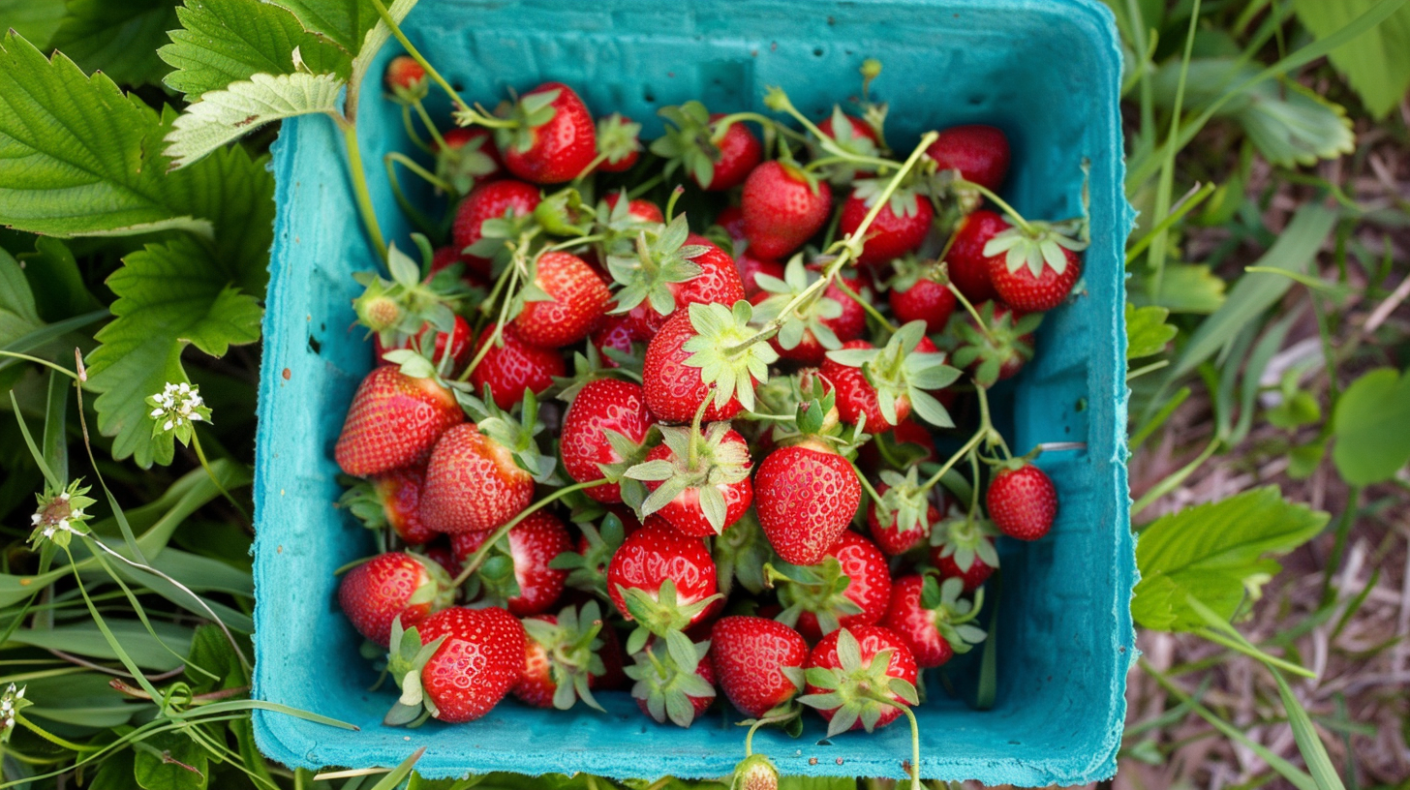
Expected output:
(1046, 71)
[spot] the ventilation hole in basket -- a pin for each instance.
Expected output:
(314, 346)
(459, 86)
(648, 95)
(976, 100)
(817, 52)
(824, 742)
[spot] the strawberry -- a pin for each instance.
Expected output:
(391, 499)
(783, 207)
(966, 262)
(703, 354)
(406, 79)
(517, 575)
(549, 137)
(717, 156)
(882, 386)
(852, 134)
(698, 479)
(562, 659)
(848, 587)
(755, 772)
(1033, 268)
(963, 548)
(848, 667)
(514, 367)
(389, 586)
(577, 298)
(661, 579)
(642, 211)
(446, 257)
(815, 327)
(806, 495)
(998, 350)
(979, 153)
(731, 220)
(899, 227)
(394, 421)
(931, 618)
(673, 680)
(605, 426)
(616, 333)
(751, 267)
(472, 483)
(458, 339)
(459, 664)
(915, 296)
(1021, 500)
(618, 146)
(498, 200)
(758, 663)
(676, 269)
(439, 552)
(905, 515)
(468, 157)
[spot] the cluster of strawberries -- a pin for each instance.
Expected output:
(738, 467)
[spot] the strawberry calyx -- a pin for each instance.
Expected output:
(572, 644)
(464, 159)
(905, 503)
(659, 613)
(666, 678)
(898, 370)
(495, 581)
(404, 663)
(657, 257)
(414, 301)
(729, 351)
(951, 613)
(857, 690)
(808, 316)
(406, 80)
(587, 570)
(518, 436)
(996, 345)
(1036, 244)
(855, 145)
(755, 772)
(618, 138)
(563, 213)
(690, 141)
(964, 539)
(820, 589)
(911, 269)
(516, 122)
(588, 366)
(700, 460)
(903, 202)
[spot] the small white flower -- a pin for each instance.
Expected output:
(175, 408)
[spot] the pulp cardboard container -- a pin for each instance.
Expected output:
(1046, 71)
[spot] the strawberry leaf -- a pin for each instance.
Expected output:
(121, 39)
(345, 22)
(223, 116)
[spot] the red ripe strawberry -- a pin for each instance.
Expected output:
(459, 340)
(835, 314)
(600, 406)
(782, 208)
(1022, 500)
(967, 264)
(884, 385)
(1030, 283)
(731, 218)
(899, 227)
(998, 352)
(389, 586)
(476, 666)
(980, 153)
(848, 587)
(440, 553)
(618, 144)
(468, 157)
(655, 554)
(405, 76)
(530, 586)
(717, 283)
(909, 514)
(667, 678)
(855, 395)
(758, 662)
(860, 128)
(494, 200)
(806, 495)
(674, 390)
(394, 421)
(640, 209)
(847, 655)
(562, 658)
(554, 139)
(472, 483)
(751, 267)
(853, 135)
(931, 619)
(916, 297)
(739, 153)
(391, 499)
(615, 332)
(578, 298)
(972, 577)
(701, 490)
(514, 368)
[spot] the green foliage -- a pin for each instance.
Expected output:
(225, 41)
(1376, 64)
(1217, 554)
(173, 762)
(1146, 331)
(344, 22)
(121, 38)
(223, 116)
(1372, 427)
(36, 20)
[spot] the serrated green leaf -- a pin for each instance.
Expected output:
(1376, 63)
(1372, 427)
(169, 296)
(19, 315)
(223, 116)
(1216, 553)
(1186, 288)
(175, 762)
(345, 22)
(1146, 330)
(58, 285)
(118, 38)
(225, 41)
(36, 20)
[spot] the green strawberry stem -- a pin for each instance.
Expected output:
(417, 218)
(418, 57)
(764, 722)
(36, 360)
(515, 271)
(973, 442)
(411, 130)
(430, 125)
(52, 738)
(866, 484)
(478, 558)
(671, 202)
(996, 200)
(578, 242)
(867, 306)
(498, 329)
(645, 186)
(769, 124)
(693, 451)
(994, 437)
(411, 164)
(591, 166)
(915, 735)
(778, 101)
(359, 179)
(973, 313)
